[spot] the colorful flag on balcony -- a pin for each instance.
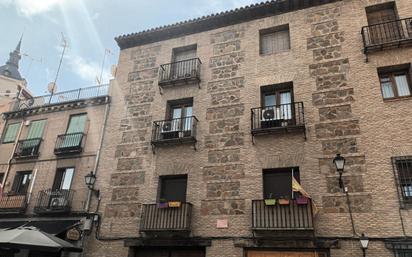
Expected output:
(296, 187)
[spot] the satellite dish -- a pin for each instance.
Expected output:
(52, 87)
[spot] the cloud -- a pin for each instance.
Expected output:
(87, 70)
(32, 7)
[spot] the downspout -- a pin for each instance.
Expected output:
(31, 186)
(96, 162)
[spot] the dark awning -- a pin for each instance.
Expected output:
(53, 227)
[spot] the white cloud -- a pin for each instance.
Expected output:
(87, 70)
(32, 7)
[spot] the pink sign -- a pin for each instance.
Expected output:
(222, 224)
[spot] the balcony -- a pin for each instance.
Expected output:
(173, 219)
(53, 201)
(392, 34)
(69, 144)
(291, 217)
(28, 148)
(12, 204)
(175, 131)
(278, 119)
(181, 72)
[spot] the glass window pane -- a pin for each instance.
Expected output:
(11, 133)
(386, 85)
(270, 100)
(67, 179)
(402, 85)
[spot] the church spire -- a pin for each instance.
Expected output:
(11, 68)
(15, 56)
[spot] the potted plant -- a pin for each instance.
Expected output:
(163, 203)
(270, 200)
(175, 204)
(284, 201)
(302, 200)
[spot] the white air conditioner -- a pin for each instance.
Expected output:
(27, 123)
(57, 202)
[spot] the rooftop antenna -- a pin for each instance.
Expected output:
(52, 85)
(100, 78)
(39, 60)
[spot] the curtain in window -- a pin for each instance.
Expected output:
(275, 42)
(285, 107)
(387, 88)
(11, 133)
(402, 85)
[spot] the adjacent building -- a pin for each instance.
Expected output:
(49, 145)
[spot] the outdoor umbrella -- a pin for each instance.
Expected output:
(32, 238)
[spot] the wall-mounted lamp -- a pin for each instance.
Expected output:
(339, 162)
(364, 241)
(90, 180)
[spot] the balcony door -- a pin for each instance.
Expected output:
(383, 26)
(277, 107)
(277, 183)
(75, 129)
(33, 138)
(173, 188)
(21, 182)
(179, 119)
(180, 68)
(63, 179)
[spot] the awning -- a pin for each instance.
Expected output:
(53, 227)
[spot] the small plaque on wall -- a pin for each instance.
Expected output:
(222, 223)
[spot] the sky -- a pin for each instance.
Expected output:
(89, 28)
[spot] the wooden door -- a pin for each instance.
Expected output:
(281, 254)
(383, 25)
(170, 253)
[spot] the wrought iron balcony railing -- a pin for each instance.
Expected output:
(28, 148)
(174, 131)
(53, 201)
(156, 219)
(181, 71)
(293, 216)
(62, 97)
(13, 204)
(69, 144)
(390, 34)
(277, 117)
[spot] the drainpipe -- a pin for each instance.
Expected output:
(31, 186)
(12, 153)
(96, 162)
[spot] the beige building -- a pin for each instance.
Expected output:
(214, 119)
(48, 145)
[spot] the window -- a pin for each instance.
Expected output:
(11, 133)
(179, 118)
(63, 179)
(403, 173)
(173, 188)
(384, 15)
(404, 253)
(36, 129)
(21, 182)
(277, 183)
(1, 177)
(276, 104)
(184, 53)
(381, 13)
(274, 40)
(395, 81)
(181, 67)
(77, 123)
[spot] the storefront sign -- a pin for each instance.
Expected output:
(73, 234)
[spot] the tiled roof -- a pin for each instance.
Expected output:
(213, 21)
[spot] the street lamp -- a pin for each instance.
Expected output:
(90, 180)
(364, 240)
(339, 162)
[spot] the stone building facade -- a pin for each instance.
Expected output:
(337, 102)
(48, 145)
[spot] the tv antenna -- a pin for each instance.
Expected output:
(52, 85)
(39, 60)
(100, 78)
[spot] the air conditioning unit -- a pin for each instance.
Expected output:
(57, 202)
(27, 123)
(268, 114)
(167, 127)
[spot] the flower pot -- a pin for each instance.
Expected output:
(270, 201)
(163, 205)
(283, 201)
(174, 204)
(302, 200)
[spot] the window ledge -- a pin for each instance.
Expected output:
(275, 53)
(399, 98)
